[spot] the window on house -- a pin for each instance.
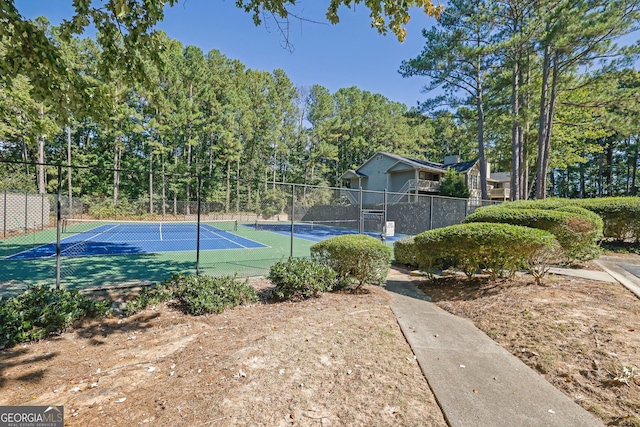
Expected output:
(422, 175)
(474, 182)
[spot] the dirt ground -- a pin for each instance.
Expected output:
(340, 359)
(582, 336)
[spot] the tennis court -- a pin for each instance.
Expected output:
(112, 253)
(90, 238)
(316, 231)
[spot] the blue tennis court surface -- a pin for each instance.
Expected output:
(315, 231)
(122, 239)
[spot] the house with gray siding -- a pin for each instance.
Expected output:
(404, 177)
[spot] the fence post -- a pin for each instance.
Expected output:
(431, 213)
(293, 204)
(42, 212)
(4, 227)
(198, 232)
(26, 210)
(384, 217)
(360, 214)
(58, 217)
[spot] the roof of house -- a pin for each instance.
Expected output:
(461, 167)
(352, 174)
(458, 167)
(501, 176)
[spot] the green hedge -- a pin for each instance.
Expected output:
(404, 251)
(497, 248)
(621, 215)
(577, 233)
(354, 257)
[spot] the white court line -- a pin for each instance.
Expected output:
(70, 247)
(161, 231)
(225, 238)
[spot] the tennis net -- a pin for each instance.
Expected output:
(307, 226)
(95, 226)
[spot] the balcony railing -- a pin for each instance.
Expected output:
(425, 185)
(499, 193)
(351, 195)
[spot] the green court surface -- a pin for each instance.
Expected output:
(85, 272)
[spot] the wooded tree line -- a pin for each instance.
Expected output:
(522, 82)
(199, 114)
(546, 85)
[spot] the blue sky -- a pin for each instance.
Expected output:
(350, 53)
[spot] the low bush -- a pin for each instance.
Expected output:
(204, 294)
(404, 251)
(300, 278)
(196, 295)
(150, 296)
(497, 248)
(354, 257)
(578, 234)
(41, 311)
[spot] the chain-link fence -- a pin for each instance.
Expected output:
(139, 228)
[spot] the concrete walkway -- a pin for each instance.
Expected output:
(625, 269)
(476, 382)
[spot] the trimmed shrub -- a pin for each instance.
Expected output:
(300, 278)
(594, 217)
(577, 234)
(354, 257)
(404, 251)
(41, 311)
(497, 248)
(620, 215)
(196, 295)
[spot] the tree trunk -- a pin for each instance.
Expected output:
(608, 169)
(116, 171)
(483, 163)
(151, 182)
(175, 186)
(227, 200)
(516, 146)
(188, 189)
(581, 191)
(238, 186)
(275, 162)
(542, 137)
(164, 189)
(41, 170)
(69, 186)
(524, 143)
(600, 175)
(634, 169)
